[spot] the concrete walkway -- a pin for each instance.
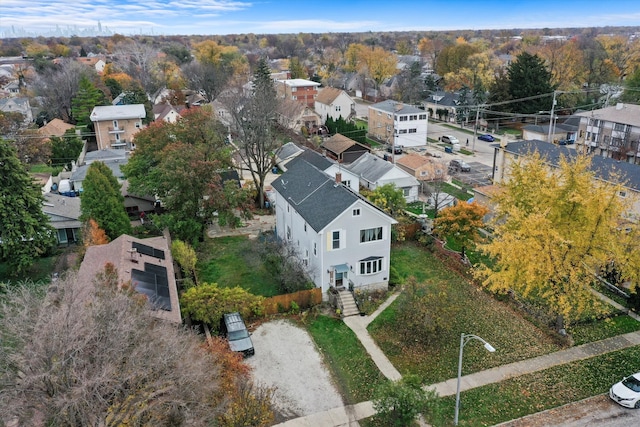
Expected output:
(358, 324)
(349, 415)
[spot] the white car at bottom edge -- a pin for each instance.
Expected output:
(627, 391)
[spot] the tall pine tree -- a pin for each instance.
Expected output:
(102, 201)
(25, 233)
(528, 77)
(82, 104)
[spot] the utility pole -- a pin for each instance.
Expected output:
(475, 129)
(553, 105)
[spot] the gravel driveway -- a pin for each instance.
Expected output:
(286, 358)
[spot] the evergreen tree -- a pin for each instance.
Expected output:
(82, 104)
(103, 202)
(528, 77)
(25, 233)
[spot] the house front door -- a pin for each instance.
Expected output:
(340, 275)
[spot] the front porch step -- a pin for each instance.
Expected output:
(349, 307)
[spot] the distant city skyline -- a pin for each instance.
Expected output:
(21, 18)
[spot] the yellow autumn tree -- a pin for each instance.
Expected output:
(622, 53)
(373, 61)
(555, 229)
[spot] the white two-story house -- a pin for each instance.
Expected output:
(395, 123)
(343, 239)
(334, 103)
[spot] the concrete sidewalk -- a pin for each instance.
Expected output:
(349, 415)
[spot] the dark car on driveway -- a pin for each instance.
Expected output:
(398, 149)
(459, 165)
(486, 137)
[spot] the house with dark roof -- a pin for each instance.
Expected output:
(604, 168)
(114, 159)
(447, 103)
(343, 240)
(334, 103)
(290, 152)
(564, 129)
(374, 172)
(343, 148)
(64, 217)
(146, 264)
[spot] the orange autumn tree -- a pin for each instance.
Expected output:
(460, 223)
(244, 403)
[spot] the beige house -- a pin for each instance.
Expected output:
(611, 132)
(146, 264)
(423, 168)
(115, 125)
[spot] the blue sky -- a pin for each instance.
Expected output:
(187, 17)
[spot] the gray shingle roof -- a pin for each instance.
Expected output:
(369, 167)
(81, 172)
(288, 150)
(316, 159)
(389, 106)
(314, 195)
(605, 168)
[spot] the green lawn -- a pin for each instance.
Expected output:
(539, 391)
(356, 375)
(40, 271)
(42, 168)
(458, 193)
(234, 261)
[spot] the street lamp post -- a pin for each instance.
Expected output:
(464, 339)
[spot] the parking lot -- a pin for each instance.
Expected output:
(479, 175)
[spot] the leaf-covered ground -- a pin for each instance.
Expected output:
(476, 312)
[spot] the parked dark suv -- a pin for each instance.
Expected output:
(232, 326)
(459, 165)
(398, 149)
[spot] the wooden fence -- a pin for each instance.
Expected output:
(282, 303)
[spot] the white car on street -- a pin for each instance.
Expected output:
(627, 391)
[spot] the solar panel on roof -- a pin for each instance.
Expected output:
(148, 250)
(154, 286)
(155, 269)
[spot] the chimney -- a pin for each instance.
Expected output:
(619, 106)
(339, 177)
(398, 106)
